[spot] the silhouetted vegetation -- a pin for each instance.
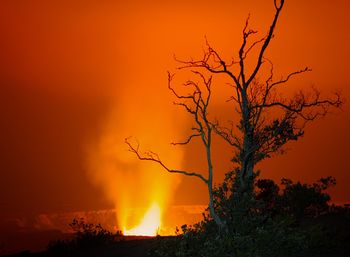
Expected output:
(290, 219)
(267, 223)
(296, 220)
(87, 237)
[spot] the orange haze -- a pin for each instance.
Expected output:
(77, 77)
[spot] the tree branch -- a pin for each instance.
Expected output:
(290, 75)
(300, 103)
(222, 67)
(227, 134)
(266, 42)
(188, 140)
(151, 156)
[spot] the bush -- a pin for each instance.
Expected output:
(304, 200)
(86, 237)
(266, 222)
(251, 230)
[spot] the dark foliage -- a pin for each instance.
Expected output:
(296, 200)
(87, 237)
(293, 221)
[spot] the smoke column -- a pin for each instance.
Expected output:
(132, 185)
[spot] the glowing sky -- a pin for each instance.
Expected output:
(69, 69)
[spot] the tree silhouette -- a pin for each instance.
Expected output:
(267, 120)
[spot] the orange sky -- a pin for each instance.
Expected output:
(70, 68)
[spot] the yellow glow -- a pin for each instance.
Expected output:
(134, 186)
(149, 225)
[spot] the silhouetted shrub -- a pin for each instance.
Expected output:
(250, 230)
(87, 236)
(304, 200)
(296, 220)
(91, 235)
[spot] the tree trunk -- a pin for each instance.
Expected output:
(213, 214)
(247, 154)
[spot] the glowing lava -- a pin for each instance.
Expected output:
(140, 191)
(149, 225)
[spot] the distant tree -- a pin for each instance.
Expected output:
(267, 120)
(296, 199)
(304, 200)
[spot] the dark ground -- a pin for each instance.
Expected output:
(130, 247)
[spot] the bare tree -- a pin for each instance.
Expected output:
(267, 120)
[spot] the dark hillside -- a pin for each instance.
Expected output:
(127, 247)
